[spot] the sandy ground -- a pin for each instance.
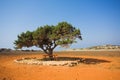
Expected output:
(9, 70)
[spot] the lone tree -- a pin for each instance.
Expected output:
(49, 37)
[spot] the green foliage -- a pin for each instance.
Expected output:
(24, 40)
(48, 37)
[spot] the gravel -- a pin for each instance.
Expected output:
(48, 63)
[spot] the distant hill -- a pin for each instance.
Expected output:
(5, 50)
(105, 47)
(98, 48)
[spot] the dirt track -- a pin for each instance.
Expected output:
(9, 70)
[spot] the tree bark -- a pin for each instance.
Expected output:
(50, 54)
(49, 50)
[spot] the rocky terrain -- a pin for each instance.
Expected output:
(31, 61)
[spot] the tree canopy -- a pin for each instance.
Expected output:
(48, 37)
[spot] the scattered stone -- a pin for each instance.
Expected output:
(70, 65)
(49, 63)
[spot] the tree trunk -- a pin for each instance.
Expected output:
(50, 53)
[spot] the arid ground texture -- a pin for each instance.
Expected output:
(103, 65)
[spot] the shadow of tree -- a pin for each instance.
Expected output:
(83, 60)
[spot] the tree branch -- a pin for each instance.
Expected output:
(54, 44)
(45, 50)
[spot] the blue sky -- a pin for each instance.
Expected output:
(98, 20)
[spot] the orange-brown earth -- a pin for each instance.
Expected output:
(9, 70)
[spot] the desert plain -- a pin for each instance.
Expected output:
(106, 66)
